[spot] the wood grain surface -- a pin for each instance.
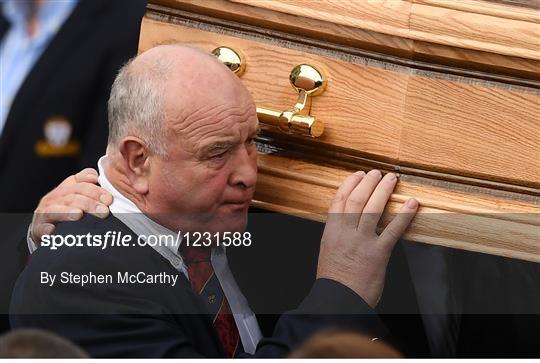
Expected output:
(468, 149)
(471, 129)
(428, 21)
(388, 27)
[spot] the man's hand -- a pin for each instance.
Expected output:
(76, 195)
(351, 251)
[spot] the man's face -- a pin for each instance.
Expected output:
(208, 179)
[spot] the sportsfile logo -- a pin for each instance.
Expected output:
(121, 239)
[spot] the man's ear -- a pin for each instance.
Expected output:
(137, 162)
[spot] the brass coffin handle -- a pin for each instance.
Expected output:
(231, 58)
(307, 80)
(290, 122)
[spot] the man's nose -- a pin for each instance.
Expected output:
(245, 168)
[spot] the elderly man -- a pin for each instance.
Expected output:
(181, 157)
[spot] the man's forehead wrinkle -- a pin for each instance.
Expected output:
(202, 136)
(179, 118)
(211, 133)
(218, 112)
(211, 114)
(208, 138)
(219, 119)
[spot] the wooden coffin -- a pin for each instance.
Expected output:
(445, 93)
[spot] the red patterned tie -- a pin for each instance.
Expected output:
(204, 282)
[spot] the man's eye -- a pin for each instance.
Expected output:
(219, 156)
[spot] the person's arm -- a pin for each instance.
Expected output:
(351, 268)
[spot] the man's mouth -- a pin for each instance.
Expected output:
(240, 204)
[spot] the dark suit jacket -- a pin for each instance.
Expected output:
(119, 320)
(70, 81)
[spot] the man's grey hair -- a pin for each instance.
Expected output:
(136, 105)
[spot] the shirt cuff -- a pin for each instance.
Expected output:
(31, 245)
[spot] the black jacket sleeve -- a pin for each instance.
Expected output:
(329, 305)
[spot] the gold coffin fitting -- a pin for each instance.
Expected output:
(307, 80)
